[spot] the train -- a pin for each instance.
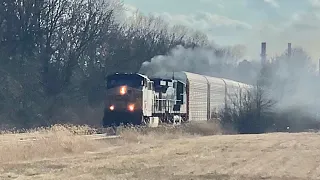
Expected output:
(137, 99)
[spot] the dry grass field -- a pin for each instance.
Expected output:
(65, 153)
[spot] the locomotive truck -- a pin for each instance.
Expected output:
(136, 99)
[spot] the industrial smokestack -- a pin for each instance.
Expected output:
(319, 67)
(263, 52)
(289, 50)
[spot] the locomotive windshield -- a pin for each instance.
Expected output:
(131, 80)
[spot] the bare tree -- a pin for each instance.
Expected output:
(248, 111)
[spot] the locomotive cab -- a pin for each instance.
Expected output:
(128, 99)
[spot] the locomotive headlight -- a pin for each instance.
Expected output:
(131, 107)
(123, 90)
(111, 108)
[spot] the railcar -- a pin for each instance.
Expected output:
(138, 99)
(207, 95)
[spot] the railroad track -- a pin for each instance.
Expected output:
(25, 137)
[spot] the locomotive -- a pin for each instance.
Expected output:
(136, 99)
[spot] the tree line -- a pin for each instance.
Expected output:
(55, 55)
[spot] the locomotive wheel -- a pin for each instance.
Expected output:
(150, 121)
(145, 121)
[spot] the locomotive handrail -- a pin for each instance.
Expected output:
(167, 100)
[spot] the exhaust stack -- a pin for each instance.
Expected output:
(289, 50)
(263, 52)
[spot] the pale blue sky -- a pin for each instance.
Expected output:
(247, 22)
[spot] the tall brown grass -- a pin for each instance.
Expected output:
(54, 141)
(164, 132)
(63, 140)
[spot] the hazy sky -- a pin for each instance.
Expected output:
(247, 22)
